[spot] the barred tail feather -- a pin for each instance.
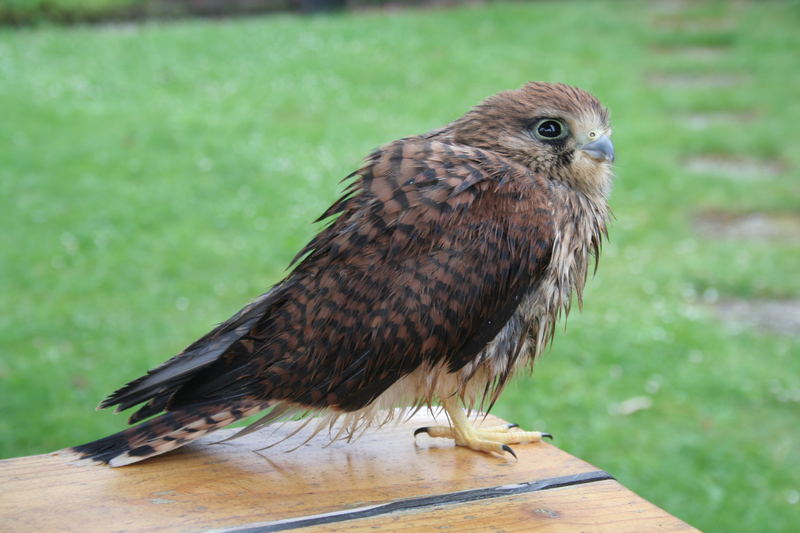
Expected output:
(162, 434)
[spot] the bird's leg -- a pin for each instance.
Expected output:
(495, 439)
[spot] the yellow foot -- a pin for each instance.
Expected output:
(495, 439)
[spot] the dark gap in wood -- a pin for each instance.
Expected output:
(421, 502)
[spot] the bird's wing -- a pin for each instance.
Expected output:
(427, 256)
(429, 252)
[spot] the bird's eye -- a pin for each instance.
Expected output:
(549, 129)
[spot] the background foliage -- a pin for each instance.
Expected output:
(40, 10)
(156, 177)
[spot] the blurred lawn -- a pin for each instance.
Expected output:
(155, 178)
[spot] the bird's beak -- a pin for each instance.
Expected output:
(602, 149)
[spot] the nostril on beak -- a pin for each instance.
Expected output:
(602, 149)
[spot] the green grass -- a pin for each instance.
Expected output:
(155, 178)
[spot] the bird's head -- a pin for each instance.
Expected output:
(557, 130)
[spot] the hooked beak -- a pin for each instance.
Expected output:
(602, 149)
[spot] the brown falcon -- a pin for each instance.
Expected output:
(444, 268)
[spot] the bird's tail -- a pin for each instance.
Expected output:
(162, 434)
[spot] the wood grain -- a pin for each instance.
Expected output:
(230, 485)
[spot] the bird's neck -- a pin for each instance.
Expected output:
(580, 227)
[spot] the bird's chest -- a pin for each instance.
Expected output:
(532, 325)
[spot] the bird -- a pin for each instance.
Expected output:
(440, 271)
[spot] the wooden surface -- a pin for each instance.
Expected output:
(384, 480)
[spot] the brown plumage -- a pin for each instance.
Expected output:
(443, 268)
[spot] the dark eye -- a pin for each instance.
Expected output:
(550, 129)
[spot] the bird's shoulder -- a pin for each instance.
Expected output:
(447, 176)
(416, 191)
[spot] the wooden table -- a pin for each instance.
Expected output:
(384, 481)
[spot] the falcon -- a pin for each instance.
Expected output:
(442, 270)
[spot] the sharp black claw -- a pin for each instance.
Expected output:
(511, 426)
(420, 430)
(507, 448)
(547, 436)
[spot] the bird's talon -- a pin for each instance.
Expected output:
(507, 448)
(420, 430)
(512, 426)
(547, 436)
